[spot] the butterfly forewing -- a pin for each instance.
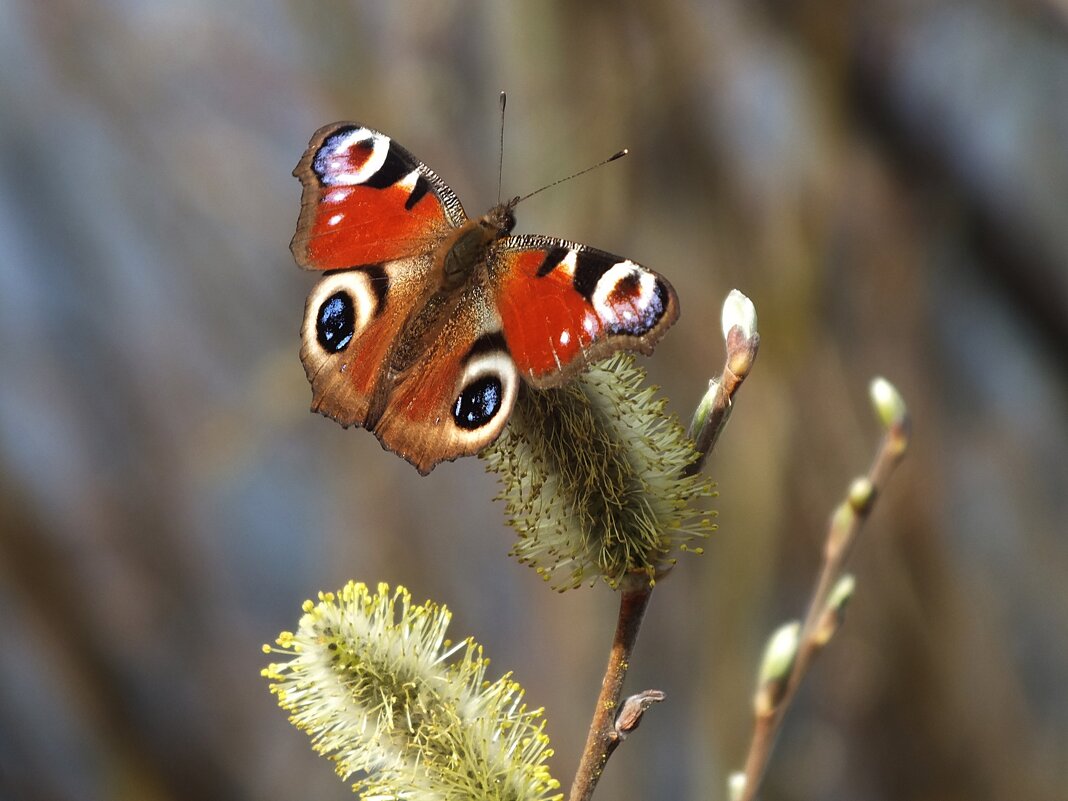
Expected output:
(372, 215)
(564, 306)
(367, 200)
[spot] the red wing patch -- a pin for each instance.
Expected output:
(564, 306)
(456, 399)
(367, 200)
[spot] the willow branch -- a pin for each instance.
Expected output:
(610, 724)
(603, 738)
(792, 649)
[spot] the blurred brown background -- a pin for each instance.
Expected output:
(887, 180)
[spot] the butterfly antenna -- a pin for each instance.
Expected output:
(500, 162)
(613, 157)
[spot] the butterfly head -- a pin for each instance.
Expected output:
(500, 220)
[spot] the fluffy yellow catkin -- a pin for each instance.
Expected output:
(370, 677)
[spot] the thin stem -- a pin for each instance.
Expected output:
(710, 419)
(603, 737)
(841, 537)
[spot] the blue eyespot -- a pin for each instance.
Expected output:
(336, 322)
(478, 403)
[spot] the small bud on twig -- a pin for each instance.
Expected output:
(630, 716)
(834, 612)
(740, 332)
(861, 495)
(705, 407)
(742, 342)
(888, 403)
(775, 668)
(738, 312)
(840, 532)
(893, 414)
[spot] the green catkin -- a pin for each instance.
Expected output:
(593, 480)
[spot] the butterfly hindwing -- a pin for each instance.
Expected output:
(456, 399)
(433, 381)
(351, 320)
(367, 200)
(564, 306)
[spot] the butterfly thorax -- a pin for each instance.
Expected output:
(466, 250)
(459, 259)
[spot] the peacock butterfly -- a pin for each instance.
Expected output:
(425, 320)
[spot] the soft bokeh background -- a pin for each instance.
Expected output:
(887, 180)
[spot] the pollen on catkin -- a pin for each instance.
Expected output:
(370, 677)
(593, 479)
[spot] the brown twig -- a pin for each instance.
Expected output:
(603, 737)
(777, 690)
(606, 732)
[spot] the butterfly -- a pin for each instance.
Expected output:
(426, 321)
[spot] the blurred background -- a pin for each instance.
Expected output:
(888, 181)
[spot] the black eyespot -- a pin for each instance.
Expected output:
(478, 403)
(336, 322)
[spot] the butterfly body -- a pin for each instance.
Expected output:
(426, 321)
